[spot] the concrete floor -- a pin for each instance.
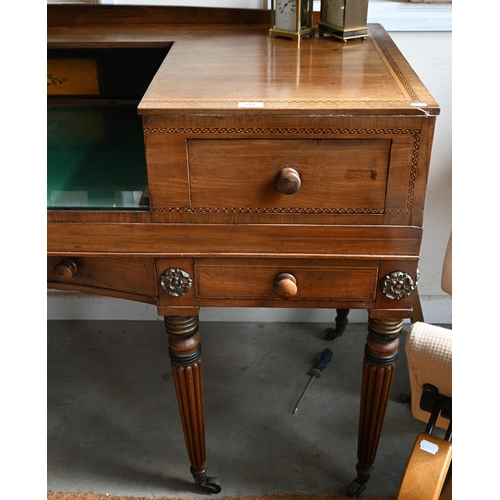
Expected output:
(114, 426)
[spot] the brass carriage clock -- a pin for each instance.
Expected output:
(292, 19)
(344, 19)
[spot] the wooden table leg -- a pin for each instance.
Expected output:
(381, 351)
(185, 357)
(340, 324)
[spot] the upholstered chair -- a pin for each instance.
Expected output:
(429, 353)
(428, 350)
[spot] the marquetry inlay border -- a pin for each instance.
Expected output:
(280, 131)
(395, 70)
(280, 104)
(270, 210)
(296, 131)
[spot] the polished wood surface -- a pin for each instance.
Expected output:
(79, 16)
(232, 240)
(333, 176)
(400, 142)
(278, 175)
(426, 471)
(128, 277)
(319, 75)
(310, 280)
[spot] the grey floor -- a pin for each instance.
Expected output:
(114, 426)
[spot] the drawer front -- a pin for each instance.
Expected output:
(293, 280)
(331, 176)
(129, 275)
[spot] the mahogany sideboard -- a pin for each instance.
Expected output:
(194, 161)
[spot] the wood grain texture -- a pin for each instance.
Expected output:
(98, 216)
(330, 280)
(188, 379)
(378, 165)
(378, 373)
(337, 176)
(159, 240)
(320, 75)
(132, 275)
(140, 16)
(425, 472)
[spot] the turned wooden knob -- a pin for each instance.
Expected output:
(288, 180)
(65, 270)
(285, 285)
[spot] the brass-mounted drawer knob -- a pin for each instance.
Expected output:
(285, 285)
(66, 270)
(288, 180)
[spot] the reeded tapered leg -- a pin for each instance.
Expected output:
(185, 356)
(381, 351)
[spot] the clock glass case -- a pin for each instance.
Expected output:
(292, 19)
(344, 19)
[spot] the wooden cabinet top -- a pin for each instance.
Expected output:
(219, 66)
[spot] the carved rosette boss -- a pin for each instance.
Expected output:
(397, 285)
(175, 282)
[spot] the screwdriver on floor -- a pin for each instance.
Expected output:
(323, 361)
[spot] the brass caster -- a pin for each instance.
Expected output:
(340, 324)
(210, 484)
(332, 334)
(355, 489)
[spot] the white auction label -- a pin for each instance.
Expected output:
(250, 104)
(429, 447)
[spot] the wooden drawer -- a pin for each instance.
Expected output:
(353, 170)
(303, 280)
(130, 275)
(293, 175)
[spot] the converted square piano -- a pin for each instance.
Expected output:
(194, 161)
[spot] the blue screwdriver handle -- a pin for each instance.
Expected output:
(323, 361)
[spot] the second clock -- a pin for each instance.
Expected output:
(344, 19)
(292, 19)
